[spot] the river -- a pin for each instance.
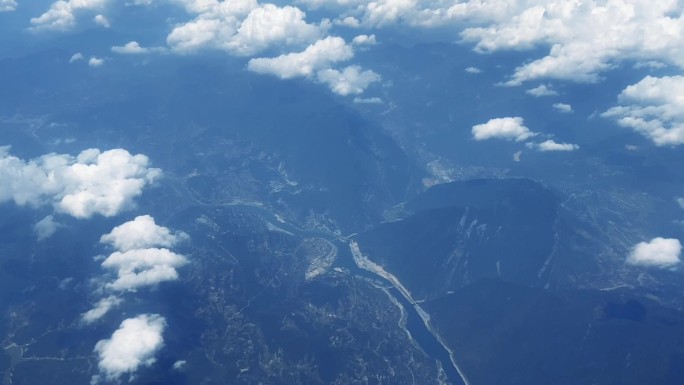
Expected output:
(417, 326)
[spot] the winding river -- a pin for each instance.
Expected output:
(418, 324)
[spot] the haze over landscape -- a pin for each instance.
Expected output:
(341, 192)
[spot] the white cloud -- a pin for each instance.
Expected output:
(550, 145)
(563, 108)
(653, 107)
(132, 47)
(349, 21)
(373, 100)
(242, 27)
(541, 90)
(102, 21)
(76, 57)
(658, 252)
(96, 62)
(584, 38)
(45, 228)
(179, 365)
(352, 80)
(133, 345)
(680, 201)
(61, 14)
(142, 232)
(364, 40)
(8, 5)
(381, 12)
(101, 308)
(473, 70)
(269, 24)
(143, 267)
(511, 128)
(317, 56)
(94, 182)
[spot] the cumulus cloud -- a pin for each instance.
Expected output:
(133, 345)
(101, 308)
(142, 232)
(653, 107)
(8, 5)
(94, 182)
(130, 48)
(550, 145)
(473, 70)
(658, 252)
(45, 228)
(242, 27)
(511, 128)
(95, 62)
(143, 267)
(562, 107)
(364, 40)
(584, 38)
(142, 258)
(102, 21)
(381, 12)
(62, 14)
(76, 57)
(317, 56)
(351, 80)
(541, 90)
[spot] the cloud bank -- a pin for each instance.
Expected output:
(94, 182)
(133, 345)
(658, 252)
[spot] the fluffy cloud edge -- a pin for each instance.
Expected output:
(317, 56)
(8, 5)
(658, 252)
(351, 80)
(61, 15)
(134, 345)
(101, 308)
(140, 268)
(552, 146)
(510, 128)
(94, 182)
(654, 108)
(141, 233)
